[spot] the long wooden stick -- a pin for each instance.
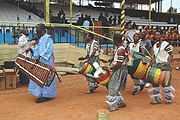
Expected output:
(148, 53)
(30, 46)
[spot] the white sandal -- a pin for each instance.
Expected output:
(155, 102)
(169, 101)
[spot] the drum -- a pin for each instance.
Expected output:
(138, 69)
(42, 74)
(129, 35)
(102, 76)
(157, 76)
(85, 69)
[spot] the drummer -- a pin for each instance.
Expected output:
(162, 57)
(118, 79)
(43, 52)
(92, 56)
(138, 47)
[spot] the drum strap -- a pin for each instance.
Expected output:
(148, 52)
(168, 65)
(156, 55)
(31, 46)
(53, 68)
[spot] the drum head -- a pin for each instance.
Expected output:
(147, 74)
(166, 78)
(81, 66)
(100, 73)
(129, 35)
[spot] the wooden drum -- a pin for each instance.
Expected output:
(102, 76)
(138, 69)
(86, 68)
(141, 70)
(157, 76)
(42, 74)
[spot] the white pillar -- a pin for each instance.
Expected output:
(160, 6)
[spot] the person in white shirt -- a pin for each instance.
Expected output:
(23, 44)
(162, 57)
(86, 24)
(118, 79)
(92, 56)
(137, 46)
(29, 19)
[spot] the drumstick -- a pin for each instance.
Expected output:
(148, 52)
(30, 46)
(25, 57)
(57, 76)
(33, 65)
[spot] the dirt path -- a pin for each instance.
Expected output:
(72, 104)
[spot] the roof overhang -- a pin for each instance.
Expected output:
(131, 1)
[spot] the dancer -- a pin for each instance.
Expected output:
(92, 56)
(118, 79)
(138, 47)
(43, 53)
(162, 58)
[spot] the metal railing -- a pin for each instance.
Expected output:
(72, 34)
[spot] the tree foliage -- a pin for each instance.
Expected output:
(172, 10)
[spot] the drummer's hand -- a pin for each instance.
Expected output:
(86, 61)
(102, 60)
(166, 64)
(38, 58)
(81, 58)
(30, 39)
(105, 68)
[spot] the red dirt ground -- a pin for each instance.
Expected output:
(71, 103)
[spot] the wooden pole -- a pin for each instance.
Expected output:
(106, 6)
(71, 12)
(158, 6)
(149, 14)
(123, 19)
(46, 5)
(79, 5)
